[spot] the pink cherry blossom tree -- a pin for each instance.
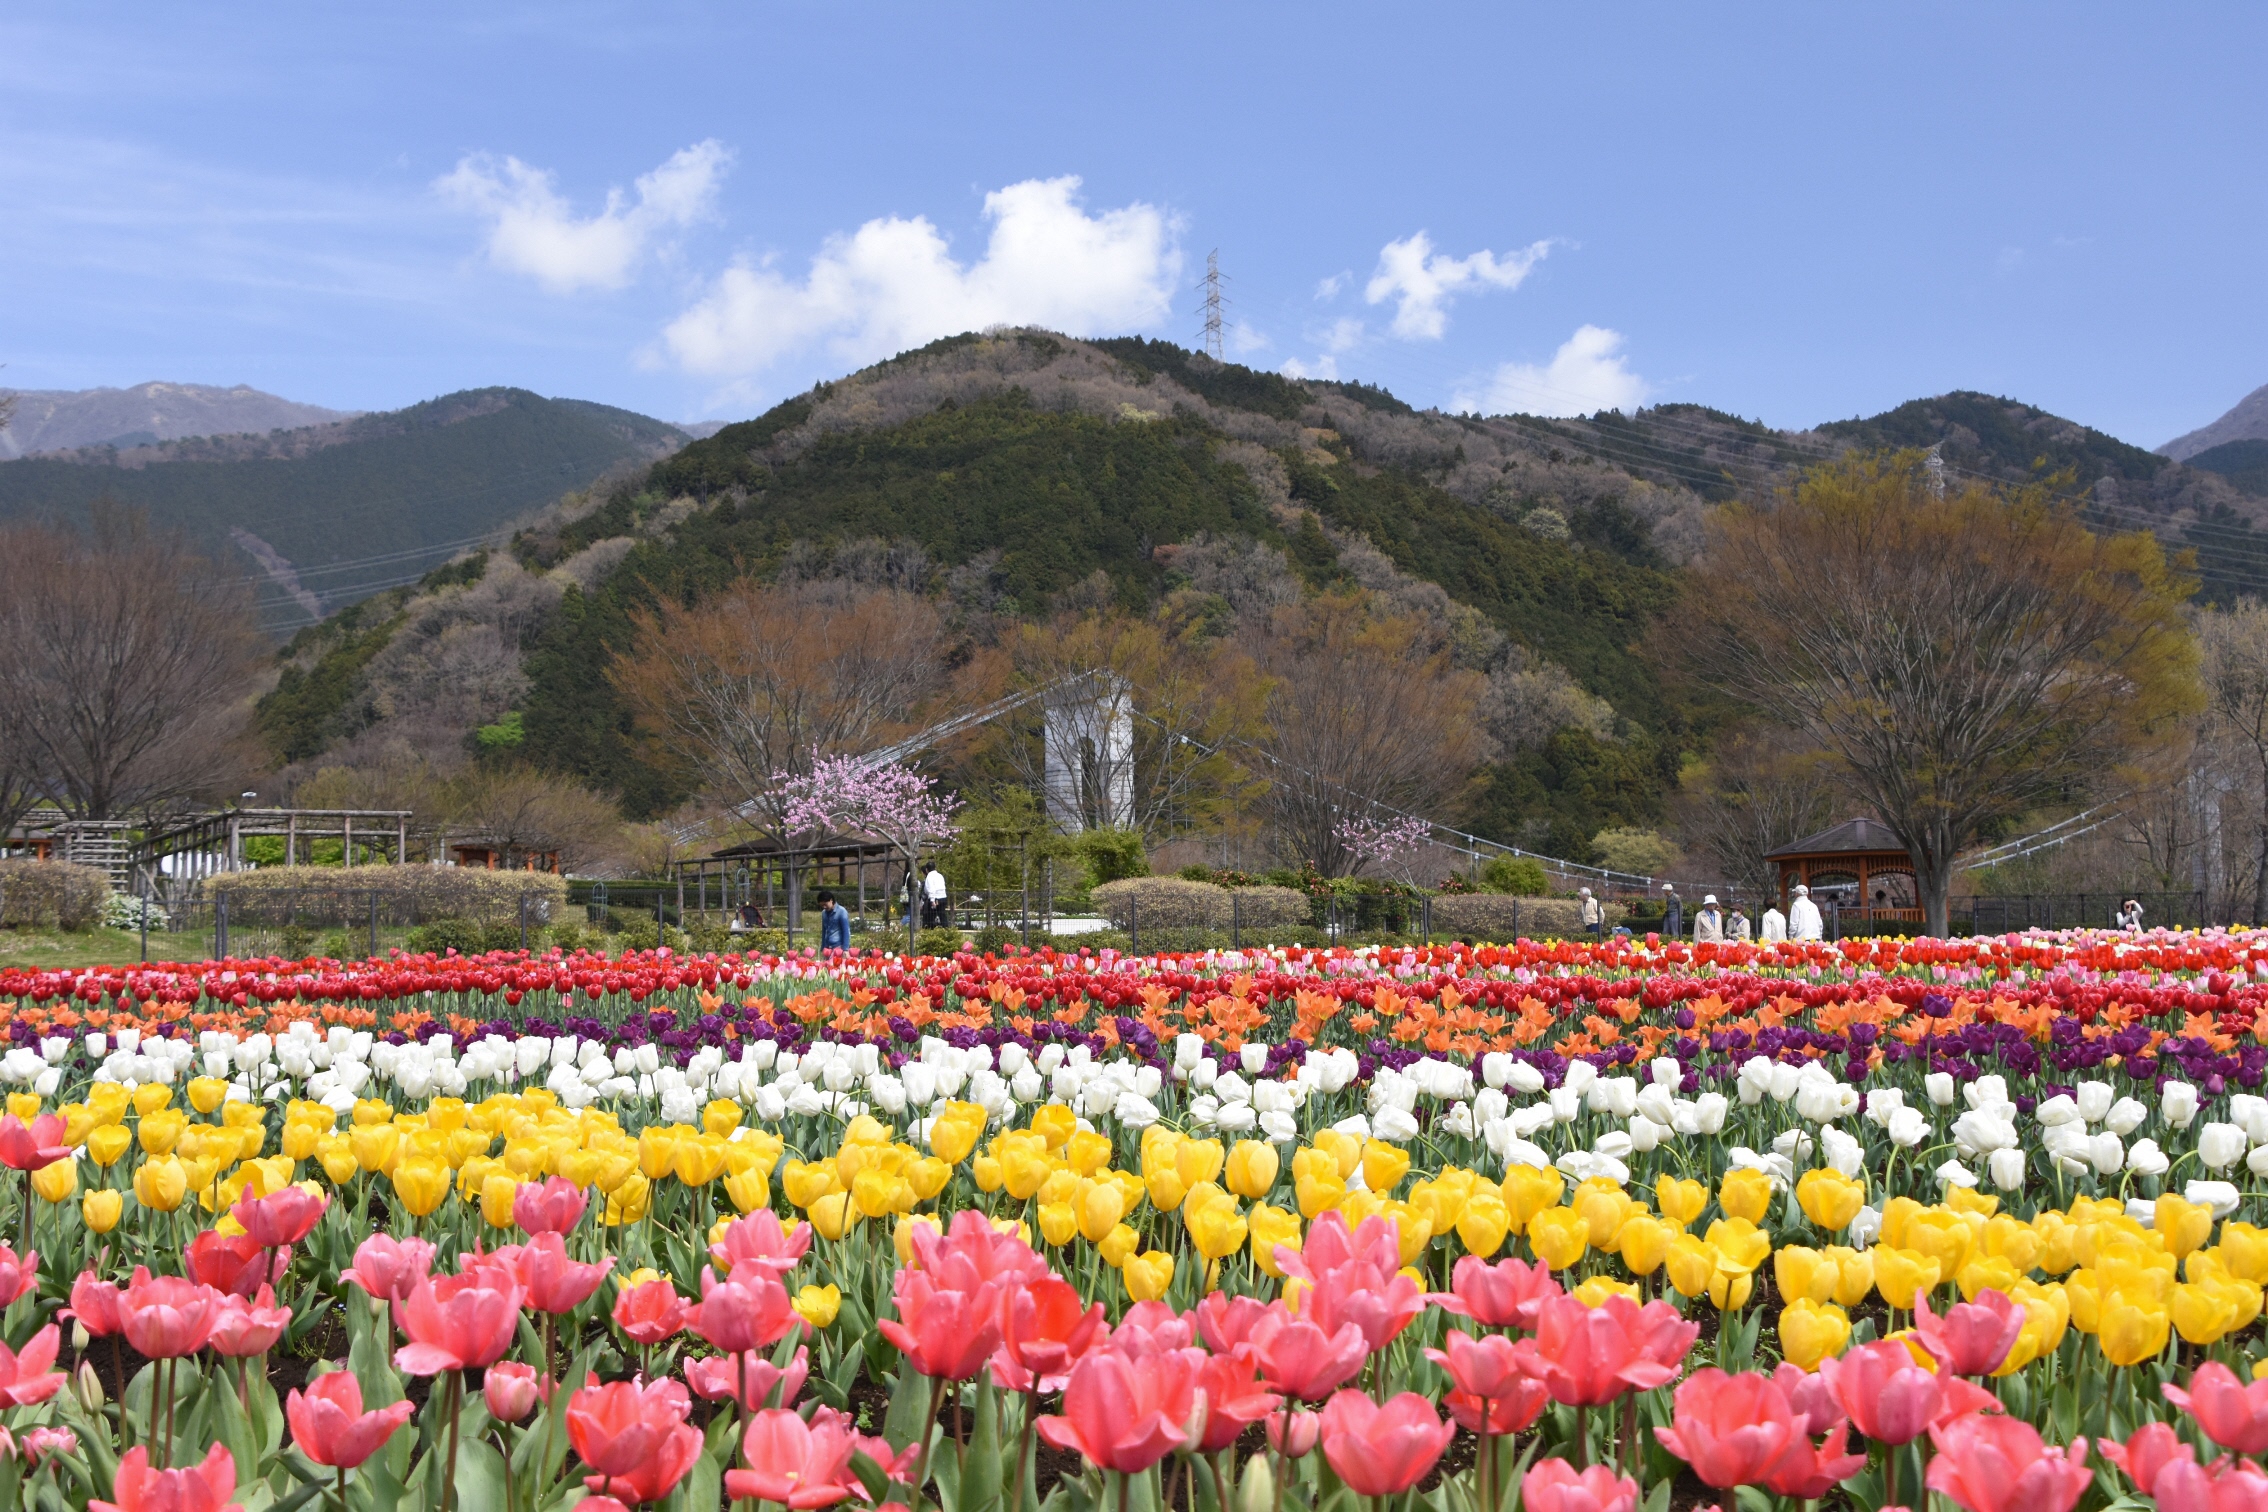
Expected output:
(891, 803)
(1389, 844)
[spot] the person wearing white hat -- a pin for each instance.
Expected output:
(1803, 917)
(1673, 912)
(1594, 913)
(1709, 922)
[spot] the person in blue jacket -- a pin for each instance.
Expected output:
(834, 923)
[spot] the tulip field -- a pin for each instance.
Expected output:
(1575, 1227)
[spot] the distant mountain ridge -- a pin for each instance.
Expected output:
(2247, 420)
(50, 420)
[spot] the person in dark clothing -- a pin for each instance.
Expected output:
(1673, 913)
(834, 923)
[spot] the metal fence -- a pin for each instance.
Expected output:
(2086, 910)
(346, 922)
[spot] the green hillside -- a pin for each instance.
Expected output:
(354, 507)
(2243, 463)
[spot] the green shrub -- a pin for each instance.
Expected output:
(58, 893)
(1111, 855)
(994, 938)
(760, 941)
(440, 936)
(712, 938)
(639, 932)
(567, 935)
(1144, 904)
(340, 945)
(1267, 907)
(938, 942)
(504, 934)
(341, 895)
(298, 941)
(1520, 876)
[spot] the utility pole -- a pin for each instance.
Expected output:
(1212, 305)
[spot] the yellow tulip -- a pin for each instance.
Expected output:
(1559, 1237)
(1118, 1246)
(1897, 1213)
(1829, 1198)
(57, 1181)
(1681, 1202)
(1740, 1245)
(699, 1160)
(1217, 1228)
(2057, 1235)
(421, 1184)
(1058, 1223)
(1596, 1290)
(1729, 1290)
(1943, 1235)
(109, 1102)
(79, 1121)
(831, 1215)
(2204, 1313)
(1691, 1264)
(1645, 1242)
(1023, 1170)
(1086, 1152)
(1529, 1190)
(1148, 1275)
(1985, 1273)
(106, 1144)
(748, 1190)
(496, 1193)
(2182, 1226)
(1811, 1331)
(1901, 1274)
(1317, 1195)
(1854, 1273)
(336, 1155)
(1252, 1167)
(161, 1131)
(1483, 1223)
(2130, 1332)
(25, 1105)
(1384, 1166)
(207, 1093)
(630, 1200)
(805, 1183)
(1803, 1275)
(988, 1175)
(374, 1145)
(1053, 1123)
(1345, 1151)
(1098, 1209)
(1605, 1208)
(2012, 1240)
(819, 1305)
(151, 1097)
(928, 1176)
(1271, 1227)
(102, 1210)
(1745, 1194)
(1963, 1199)
(161, 1184)
(876, 1193)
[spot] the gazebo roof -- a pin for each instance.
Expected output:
(1851, 837)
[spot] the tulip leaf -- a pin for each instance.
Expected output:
(1657, 1500)
(908, 1420)
(1752, 1499)
(479, 1474)
(702, 1490)
(237, 1432)
(980, 1476)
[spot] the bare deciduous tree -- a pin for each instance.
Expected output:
(525, 813)
(761, 680)
(1966, 656)
(125, 663)
(2234, 643)
(1759, 790)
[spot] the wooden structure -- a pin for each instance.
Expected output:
(750, 882)
(495, 855)
(208, 844)
(1858, 867)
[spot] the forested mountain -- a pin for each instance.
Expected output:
(1013, 474)
(2247, 420)
(48, 420)
(321, 516)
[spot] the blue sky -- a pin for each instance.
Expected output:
(1796, 213)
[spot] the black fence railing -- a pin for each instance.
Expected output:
(349, 923)
(2013, 913)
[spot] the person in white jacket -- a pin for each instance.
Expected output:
(1774, 924)
(1803, 917)
(1709, 923)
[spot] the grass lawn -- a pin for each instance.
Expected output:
(96, 947)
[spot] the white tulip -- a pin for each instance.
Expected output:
(2177, 1104)
(2094, 1099)
(2146, 1159)
(2125, 1116)
(2221, 1145)
(1939, 1087)
(2007, 1169)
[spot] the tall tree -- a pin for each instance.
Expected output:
(1758, 790)
(2235, 646)
(1966, 654)
(125, 664)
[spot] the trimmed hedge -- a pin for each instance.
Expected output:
(1502, 917)
(61, 894)
(338, 895)
(1147, 903)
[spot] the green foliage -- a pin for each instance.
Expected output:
(1643, 852)
(2244, 463)
(322, 663)
(568, 935)
(1554, 799)
(298, 940)
(938, 942)
(440, 936)
(1110, 855)
(638, 932)
(507, 734)
(995, 938)
(1223, 383)
(1522, 876)
(2000, 436)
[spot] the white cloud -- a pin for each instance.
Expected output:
(1422, 282)
(534, 231)
(1587, 374)
(893, 284)
(1330, 288)
(1344, 335)
(1325, 367)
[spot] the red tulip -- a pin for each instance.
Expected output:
(231, 1263)
(945, 1334)
(249, 1328)
(1808, 1471)
(759, 1239)
(1126, 1413)
(552, 1282)
(716, 1378)
(459, 1322)
(600, 1504)
(29, 1147)
(1973, 1337)
(17, 1276)
(1382, 1451)
(1732, 1429)
(202, 1487)
(1556, 1486)
(1234, 1401)
(2147, 1452)
(651, 1312)
(512, 1390)
(1884, 1391)
(2233, 1413)
(166, 1317)
(1300, 1360)
(27, 1378)
(389, 1268)
(1588, 1356)
(635, 1437)
(796, 1463)
(330, 1427)
(94, 1304)
(2000, 1464)
(750, 1310)
(1152, 1327)
(284, 1216)
(1043, 1332)
(554, 1206)
(1504, 1295)
(1493, 1396)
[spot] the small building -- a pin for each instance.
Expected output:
(502, 855)
(1858, 867)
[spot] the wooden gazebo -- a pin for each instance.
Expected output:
(748, 884)
(1859, 867)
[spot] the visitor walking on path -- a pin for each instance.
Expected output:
(1709, 922)
(1673, 912)
(1803, 917)
(834, 923)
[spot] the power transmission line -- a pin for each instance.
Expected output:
(1211, 308)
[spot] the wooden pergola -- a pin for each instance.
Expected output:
(747, 883)
(1858, 866)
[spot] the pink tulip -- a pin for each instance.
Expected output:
(2146, 1452)
(284, 1216)
(1150, 1328)
(2000, 1464)
(1808, 1471)
(29, 1377)
(1884, 1391)
(971, 1253)
(94, 1304)
(330, 1427)
(553, 1206)
(1556, 1486)
(946, 1334)
(1044, 1330)
(1973, 1337)
(249, 1328)
(551, 1282)
(1126, 1413)
(759, 1239)
(17, 1276)
(716, 1378)
(1234, 1401)
(1507, 1294)
(202, 1487)
(459, 1322)
(43, 1442)
(1382, 1450)
(2233, 1413)
(634, 1437)
(1301, 1360)
(651, 1312)
(230, 1263)
(795, 1463)
(1811, 1399)
(1493, 1395)
(389, 1268)
(1224, 1322)
(1354, 1278)
(32, 1146)
(2225, 1486)
(166, 1317)
(1295, 1434)
(512, 1390)
(750, 1310)
(1588, 1356)
(1732, 1429)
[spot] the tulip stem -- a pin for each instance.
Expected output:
(1890, 1475)
(453, 1404)
(342, 1489)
